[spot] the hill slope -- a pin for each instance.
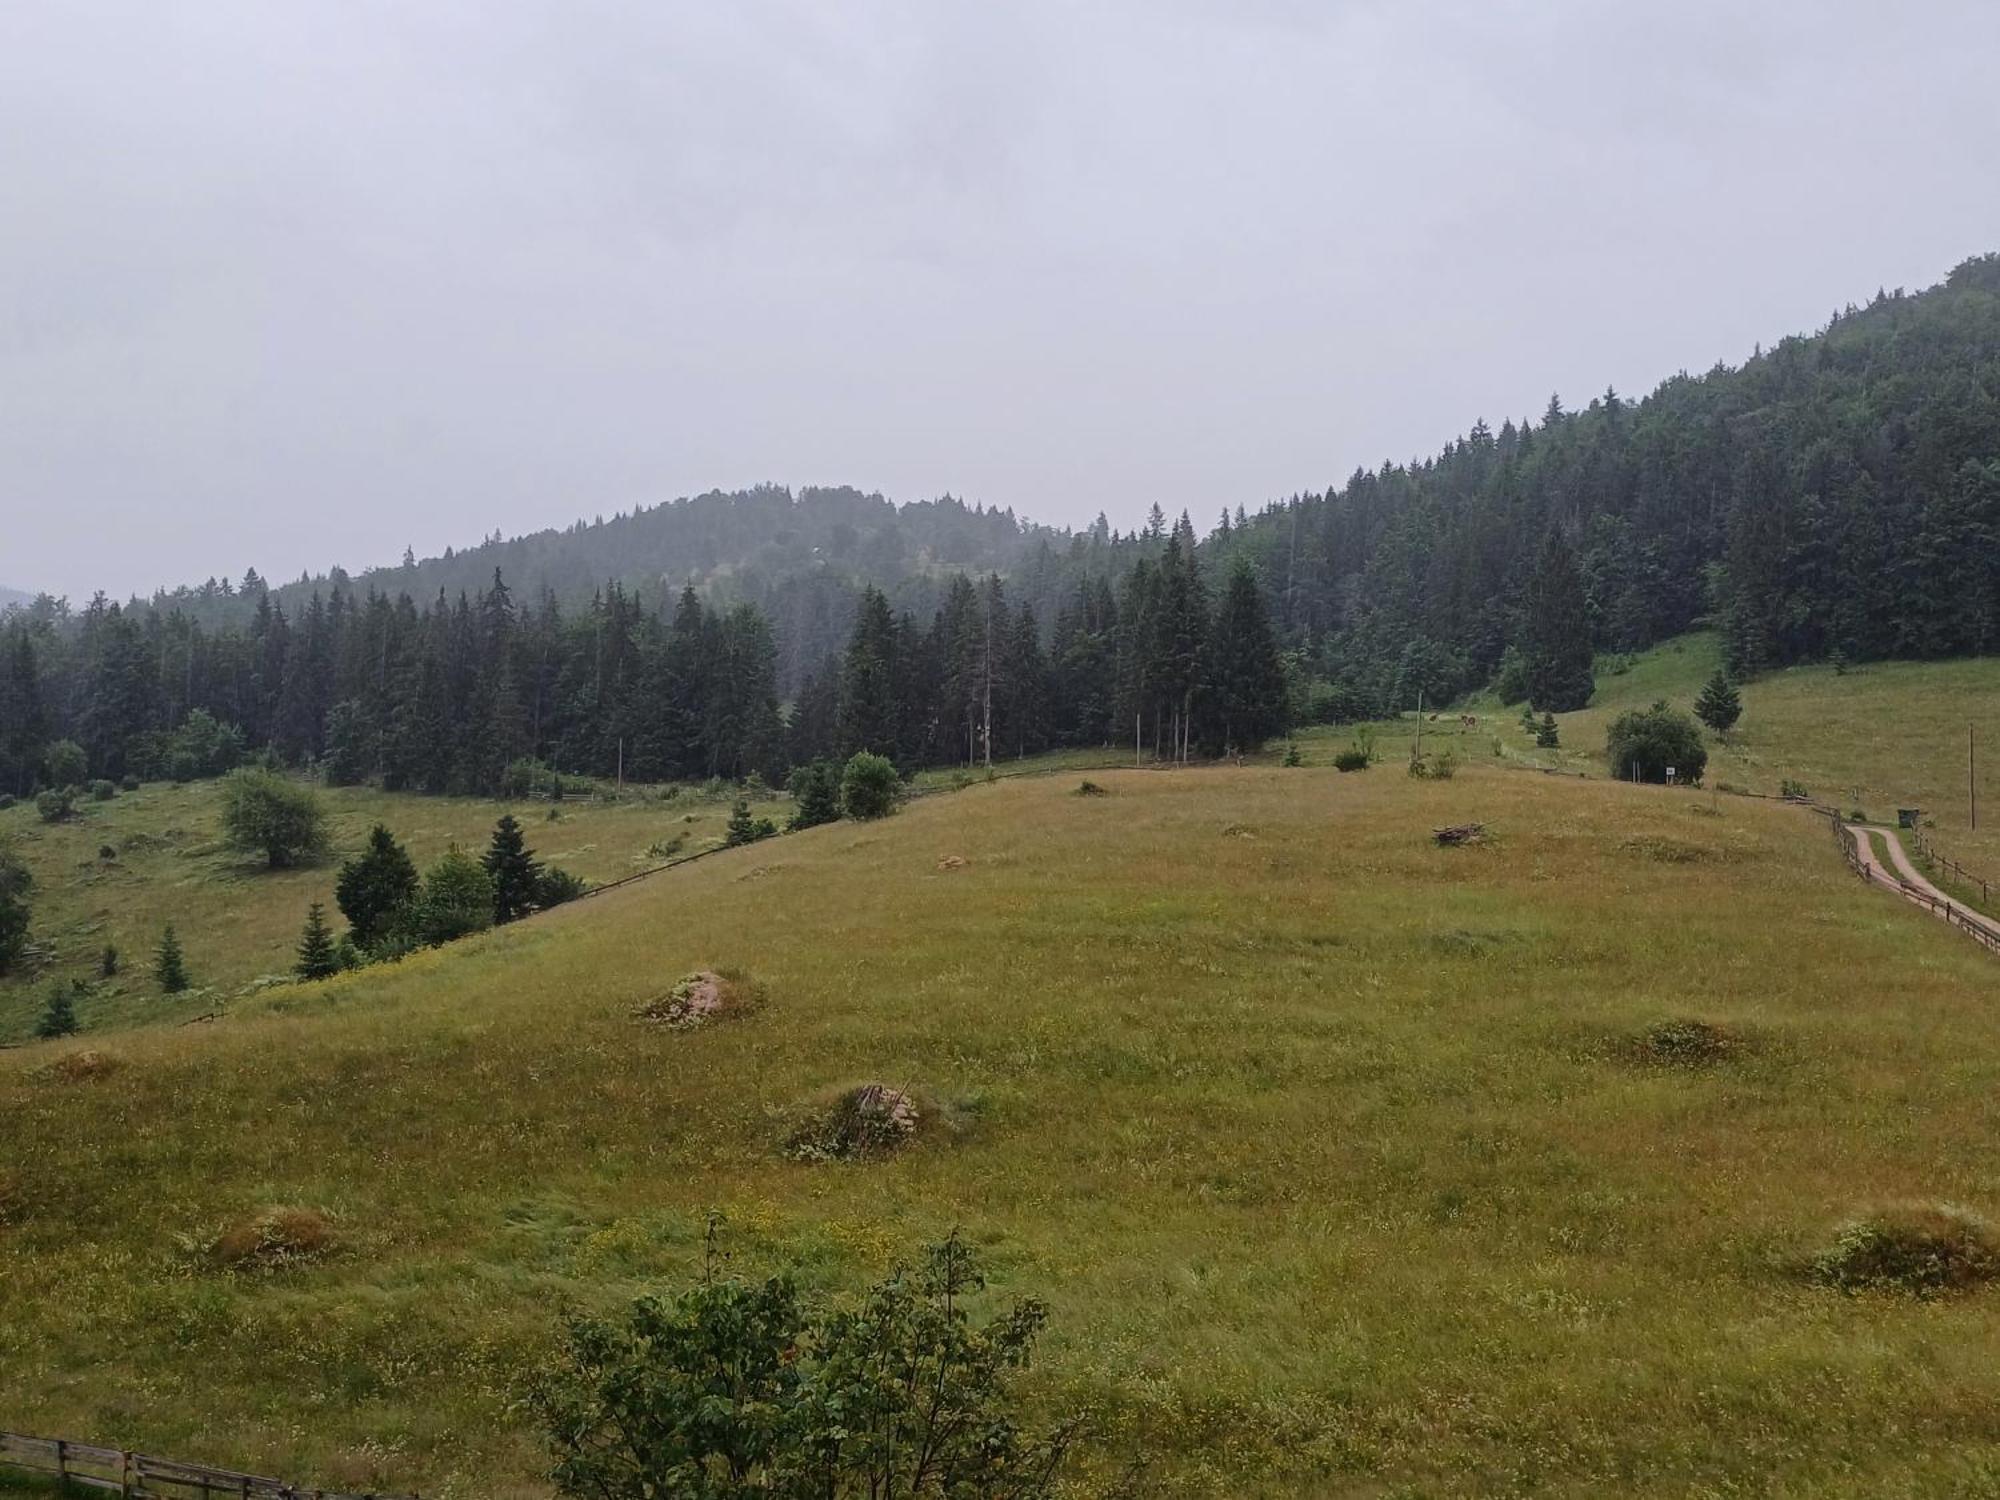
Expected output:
(1323, 1142)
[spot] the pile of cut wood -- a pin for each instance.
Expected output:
(1460, 833)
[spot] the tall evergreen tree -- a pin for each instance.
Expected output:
(515, 872)
(376, 890)
(1720, 705)
(1245, 675)
(1556, 651)
(317, 957)
(59, 1015)
(169, 964)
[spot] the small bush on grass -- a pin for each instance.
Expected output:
(1642, 743)
(1090, 789)
(744, 829)
(1920, 1249)
(1439, 765)
(102, 790)
(80, 1067)
(66, 764)
(265, 813)
(56, 806)
(868, 787)
(1791, 788)
(1354, 758)
(128, 782)
(7, 800)
(815, 790)
(1292, 756)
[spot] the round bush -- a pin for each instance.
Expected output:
(1922, 1249)
(1642, 743)
(868, 786)
(102, 790)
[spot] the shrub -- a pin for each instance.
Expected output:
(1791, 788)
(55, 805)
(815, 788)
(456, 899)
(1353, 758)
(318, 958)
(1720, 705)
(868, 786)
(169, 966)
(1922, 1249)
(1292, 756)
(1547, 735)
(1439, 765)
(7, 800)
(102, 790)
(265, 813)
(128, 782)
(59, 1015)
(743, 829)
(731, 1389)
(871, 1120)
(1642, 743)
(1090, 789)
(376, 890)
(107, 962)
(66, 764)
(555, 886)
(16, 885)
(1685, 1044)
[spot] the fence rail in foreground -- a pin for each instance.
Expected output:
(142, 1476)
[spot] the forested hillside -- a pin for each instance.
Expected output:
(1835, 496)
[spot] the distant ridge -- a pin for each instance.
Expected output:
(13, 596)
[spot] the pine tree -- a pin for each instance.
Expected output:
(1720, 705)
(514, 870)
(169, 967)
(1556, 655)
(59, 1015)
(376, 891)
(1547, 736)
(317, 957)
(1246, 677)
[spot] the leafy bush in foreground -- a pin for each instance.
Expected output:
(730, 1390)
(268, 814)
(1642, 743)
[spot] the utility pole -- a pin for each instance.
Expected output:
(621, 762)
(1418, 753)
(1971, 784)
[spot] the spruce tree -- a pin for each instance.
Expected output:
(1556, 656)
(514, 870)
(1720, 705)
(376, 891)
(59, 1015)
(742, 827)
(1547, 736)
(1245, 674)
(169, 967)
(317, 957)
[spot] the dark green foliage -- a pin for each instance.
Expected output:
(454, 901)
(264, 812)
(1292, 756)
(729, 1391)
(1353, 758)
(352, 748)
(1547, 735)
(107, 962)
(103, 790)
(1246, 701)
(1720, 705)
(743, 829)
(169, 964)
(815, 789)
(1642, 743)
(376, 890)
(56, 806)
(66, 764)
(59, 1015)
(515, 872)
(1555, 650)
(203, 746)
(128, 783)
(555, 887)
(317, 956)
(868, 786)
(16, 886)
(1510, 682)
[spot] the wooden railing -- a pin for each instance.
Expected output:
(1951, 866)
(142, 1476)
(1942, 907)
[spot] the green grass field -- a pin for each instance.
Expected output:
(239, 921)
(1325, 1144)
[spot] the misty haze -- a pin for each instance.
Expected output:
(996, 753)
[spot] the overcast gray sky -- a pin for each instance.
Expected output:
(295, 283)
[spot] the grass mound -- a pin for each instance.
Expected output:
(1091, 789)
(1685, 1043)
(695, 1001)
(275, 1237)
(80, 1067)
(869, 1121)
(1922, 1249)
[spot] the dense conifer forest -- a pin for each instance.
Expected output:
(1837, 495)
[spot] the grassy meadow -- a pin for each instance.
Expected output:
(239, 921)
(1329, 1148)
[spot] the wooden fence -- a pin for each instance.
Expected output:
(141, 1476)
(1942, 907)
(1951, 866)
